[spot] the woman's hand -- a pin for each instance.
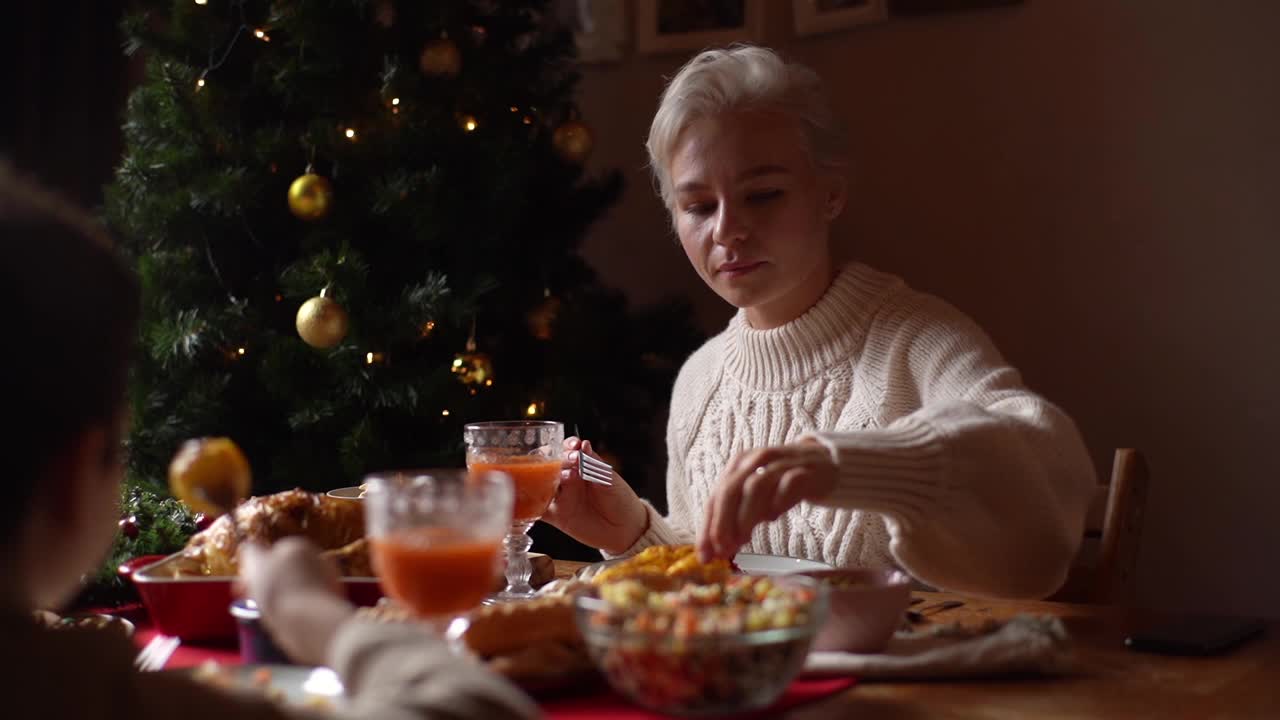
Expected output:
(609, 517)
(299, 595)
(759, 486)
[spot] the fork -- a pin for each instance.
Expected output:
(593, 470)
(156, 653)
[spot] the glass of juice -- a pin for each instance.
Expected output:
(435, 539)
(530, 452)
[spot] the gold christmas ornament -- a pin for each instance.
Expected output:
(322, 323)
(542, 319)
(573, 141)
(473, 368)
(310, 196)
(441, 58)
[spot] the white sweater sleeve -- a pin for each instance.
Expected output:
(985, 487)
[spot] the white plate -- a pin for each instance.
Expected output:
(296, 684)
(346, 493)
(750, 563)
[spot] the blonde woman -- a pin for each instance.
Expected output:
(841, 416)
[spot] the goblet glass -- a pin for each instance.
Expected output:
(529, 451)
(435, 539)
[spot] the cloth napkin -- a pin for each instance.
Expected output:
(1024, 644)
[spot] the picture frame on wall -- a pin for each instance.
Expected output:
(682, 25)
(813, 17)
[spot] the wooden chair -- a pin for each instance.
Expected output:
(1104, 569)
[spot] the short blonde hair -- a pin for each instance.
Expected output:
(742, 77)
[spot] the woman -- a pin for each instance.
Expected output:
(841, 415)
(63, 467)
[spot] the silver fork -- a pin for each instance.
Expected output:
(593, 470)
(156, 653)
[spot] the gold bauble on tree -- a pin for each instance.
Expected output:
(473, 368)
(322, 323)
(310, 196)
(441, 58)
(573, 141)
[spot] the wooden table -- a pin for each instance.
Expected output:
(1112, 681)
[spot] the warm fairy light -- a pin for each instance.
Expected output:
(368, 358)
(350, 133)
(427, 328)
(279, 297)
(395, 101)
(528, 120)
(262, 35)
(534, 409)
(470, 124)
(445, 413)
(457, 362)
(515, 109)
(199, 83)
(202, 2)
(239, 351)
(488, 383)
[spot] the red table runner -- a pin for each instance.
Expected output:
(609, 705)
(605, 705)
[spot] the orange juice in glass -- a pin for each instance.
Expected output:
(530, 453)
(435, 539)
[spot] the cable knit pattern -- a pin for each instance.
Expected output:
(948, 466)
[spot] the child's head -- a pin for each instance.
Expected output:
(70, 311)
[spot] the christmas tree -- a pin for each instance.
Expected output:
(356, 225)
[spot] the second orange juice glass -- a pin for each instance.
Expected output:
(530, 452)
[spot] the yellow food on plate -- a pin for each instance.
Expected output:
(666, 566)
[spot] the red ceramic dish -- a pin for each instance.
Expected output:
(195, 608)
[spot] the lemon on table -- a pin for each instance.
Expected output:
(210, 475)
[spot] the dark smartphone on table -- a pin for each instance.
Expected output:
(1196, 635)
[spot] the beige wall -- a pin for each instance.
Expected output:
(1098, 183)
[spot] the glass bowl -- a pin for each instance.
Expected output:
(664, 667)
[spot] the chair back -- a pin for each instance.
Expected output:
(1106, 566)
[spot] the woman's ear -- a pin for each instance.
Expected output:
(837, 191)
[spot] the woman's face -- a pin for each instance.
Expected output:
(753, 214)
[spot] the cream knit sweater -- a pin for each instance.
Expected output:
(948, 467)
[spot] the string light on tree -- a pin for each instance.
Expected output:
(427, 329)
(199, 83)
(321, 322)
(374, 358)
(468, 122)
(350, 134)
(535, 409)
(310, 196)
(262, 35)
